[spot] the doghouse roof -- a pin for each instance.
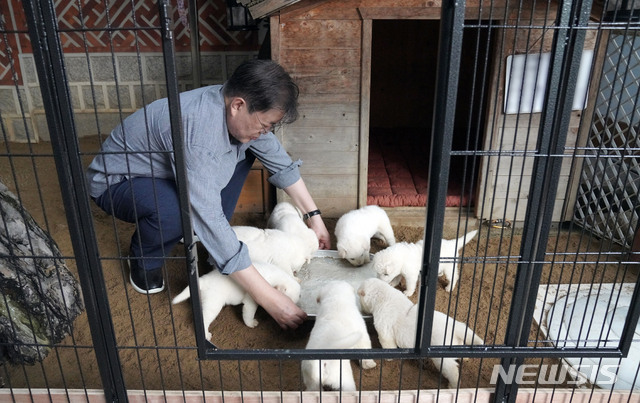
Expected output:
(263, 8)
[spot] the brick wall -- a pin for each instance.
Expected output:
(113, 60)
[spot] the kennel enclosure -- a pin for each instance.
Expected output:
(524, 167)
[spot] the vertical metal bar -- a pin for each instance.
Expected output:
(566, 53)
(631, 321)
(50, 67)
(175, 117)
(194, 30)
(449, 53)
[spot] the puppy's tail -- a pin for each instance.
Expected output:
(183, 296)
(465, 333)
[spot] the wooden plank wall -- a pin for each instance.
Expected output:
(320, 45)
(505, 181)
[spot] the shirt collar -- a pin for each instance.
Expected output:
(227, 142)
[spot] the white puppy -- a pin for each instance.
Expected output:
(339, 325)
(404, 260)
(395, 320)
(355, 229)
(287, 251)
(218, 290)
(286, 217)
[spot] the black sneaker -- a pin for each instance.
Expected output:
(147, 282)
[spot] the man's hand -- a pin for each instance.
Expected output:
(302, 199)
(287, 314)
(282, 309)
(317, 225)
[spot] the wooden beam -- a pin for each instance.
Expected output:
(266, 7)
(424, 13)
(365, 104)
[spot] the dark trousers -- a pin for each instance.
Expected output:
(152, 204)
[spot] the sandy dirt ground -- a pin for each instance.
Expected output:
(156, 340)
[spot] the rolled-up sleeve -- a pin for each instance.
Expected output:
(286, 177)
(226, 251)
(239, 261)
(284, 171)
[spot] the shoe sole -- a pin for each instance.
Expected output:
(140, 290)
(143, 291)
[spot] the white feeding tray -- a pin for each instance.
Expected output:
(326, 266)
(587, 315)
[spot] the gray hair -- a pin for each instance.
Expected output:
(265, 85)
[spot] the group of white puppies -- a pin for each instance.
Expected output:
(281, 249)
(277, 252)
(339, 323)
(399, 260)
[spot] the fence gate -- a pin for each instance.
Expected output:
(546, 298)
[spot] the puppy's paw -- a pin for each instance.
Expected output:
(251, 323)
(367, 364)
(446, 284)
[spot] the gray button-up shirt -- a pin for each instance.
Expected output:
(142, 147)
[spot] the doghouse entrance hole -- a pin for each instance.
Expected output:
(403, 74)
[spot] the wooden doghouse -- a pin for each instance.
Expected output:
(366, 71)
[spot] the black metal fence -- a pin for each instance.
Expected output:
(550, 280)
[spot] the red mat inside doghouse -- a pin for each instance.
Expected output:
(398, 164)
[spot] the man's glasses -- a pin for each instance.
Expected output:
(267, 129)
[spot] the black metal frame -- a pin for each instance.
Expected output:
(567, 48)
(55, 93)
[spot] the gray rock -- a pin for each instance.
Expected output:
(39, 297)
